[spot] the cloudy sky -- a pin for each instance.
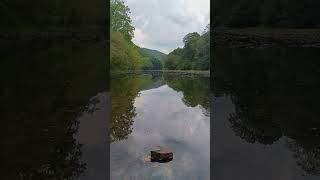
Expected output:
(162, 24)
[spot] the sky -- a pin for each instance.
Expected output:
(162, 24)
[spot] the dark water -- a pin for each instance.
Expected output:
(54, 114)
(166, 110)
(53, 111)
(265, 114)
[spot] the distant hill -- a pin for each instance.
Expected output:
(152, 53)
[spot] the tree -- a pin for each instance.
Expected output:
(195, 55)
(190, 38)
(124, 55)
(172, 62)
(120, 19)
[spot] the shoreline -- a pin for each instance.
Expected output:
(265, 38)
(171, 72)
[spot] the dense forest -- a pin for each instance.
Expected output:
(46, 15)
(154, 59)
(125, 55)
(268, 13)
(195, 55)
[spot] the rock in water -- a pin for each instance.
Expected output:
(161, 155)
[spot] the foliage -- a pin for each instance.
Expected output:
(152, 59)
(195, 55)
(124, 54)
(120, 19)
(153, 53)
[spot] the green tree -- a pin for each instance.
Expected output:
(195, 55)
(173, 62)
(120, 19)
(124, 55)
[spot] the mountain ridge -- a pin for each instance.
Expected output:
(153, 53)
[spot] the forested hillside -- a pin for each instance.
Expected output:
(155, 59)
(195, 55)
(270, 13)
(125, 55)
(153, 53)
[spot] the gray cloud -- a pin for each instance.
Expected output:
(180, 19)
(162, 24)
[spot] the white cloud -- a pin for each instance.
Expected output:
(162, 24)
(139, 37)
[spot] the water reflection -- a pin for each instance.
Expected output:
(266, 97)
(166, 110)
(45, 94)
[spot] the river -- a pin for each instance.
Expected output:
(54, 111)
(260, 108)
(265, 114)
(160, 110)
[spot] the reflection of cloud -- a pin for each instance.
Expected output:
(139, 102)
(166, 121)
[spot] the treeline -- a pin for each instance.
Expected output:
(125, 55)
(39, 14)
(154, 59)
(269, 13)
(195, 55)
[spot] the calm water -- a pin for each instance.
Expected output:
(166, 110)
(53, 105)
(265, 114)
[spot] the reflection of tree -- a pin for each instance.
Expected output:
(195, 90)
(275, 93)
(124, 90)
(40, 104)
(261, 133)
(308, 158)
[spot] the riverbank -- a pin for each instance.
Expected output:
(265, 38)
(171, 72)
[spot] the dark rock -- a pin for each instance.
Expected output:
(161, 155)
